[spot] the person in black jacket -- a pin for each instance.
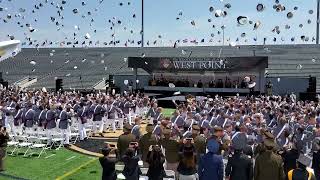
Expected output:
(155, 159)
(290, 158)
(108, 164)
(316, 160)
(301, 172)
(131, 168)
(187, 165)
(239, 166)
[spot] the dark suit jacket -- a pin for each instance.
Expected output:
(316, 164)
(239, 167)
(108, 168)
(131, 169)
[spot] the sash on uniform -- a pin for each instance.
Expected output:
(234, 135)
(271, 122)
(40, 114)
(27, 113)
(134, 128)
(202, 123)
(224, 123)
(281, 131)
(82, 118)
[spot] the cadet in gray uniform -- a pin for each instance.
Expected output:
(64, 124)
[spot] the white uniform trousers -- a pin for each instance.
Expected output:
(17, 130)
(8, 122)
(98, 126)
(49, 133)
(82, 131)
(129, 118)
(120, 123)
(112, 123)
(65, 133)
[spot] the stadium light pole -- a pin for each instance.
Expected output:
(318, 8)
(142, 23)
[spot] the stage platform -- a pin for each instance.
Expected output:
(167, 91)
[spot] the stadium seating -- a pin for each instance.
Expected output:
(94, 64)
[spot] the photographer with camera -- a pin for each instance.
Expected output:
(187, 167)
(4, 137)
(155, 159)
(131, 169)
(108, 163)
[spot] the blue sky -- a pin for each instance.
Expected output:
(160, 20)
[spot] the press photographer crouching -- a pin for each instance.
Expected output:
(4, 137)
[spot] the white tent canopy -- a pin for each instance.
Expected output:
(9, 49)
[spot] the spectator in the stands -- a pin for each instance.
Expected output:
(155, 159)
(212, 84)
(186, 83)
(200, 84)
(131, 168)
(219, 83)
(228, 83)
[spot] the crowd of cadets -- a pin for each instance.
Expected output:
(279, 128)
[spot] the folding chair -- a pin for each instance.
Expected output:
(57, 140)
(12, 145)
(74, 136)
(37, 145)
(23, 143)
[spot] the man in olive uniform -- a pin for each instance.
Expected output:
(146, 141)
(199, 141)
(171, 148)
(4, 137)
(261, 147)
(125, 139)
(268, 165)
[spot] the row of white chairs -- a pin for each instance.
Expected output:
(35, 141)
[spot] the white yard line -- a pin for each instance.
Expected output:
(49, 156)
(71, 158)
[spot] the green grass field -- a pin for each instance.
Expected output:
(52, 165)
(60, 164)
